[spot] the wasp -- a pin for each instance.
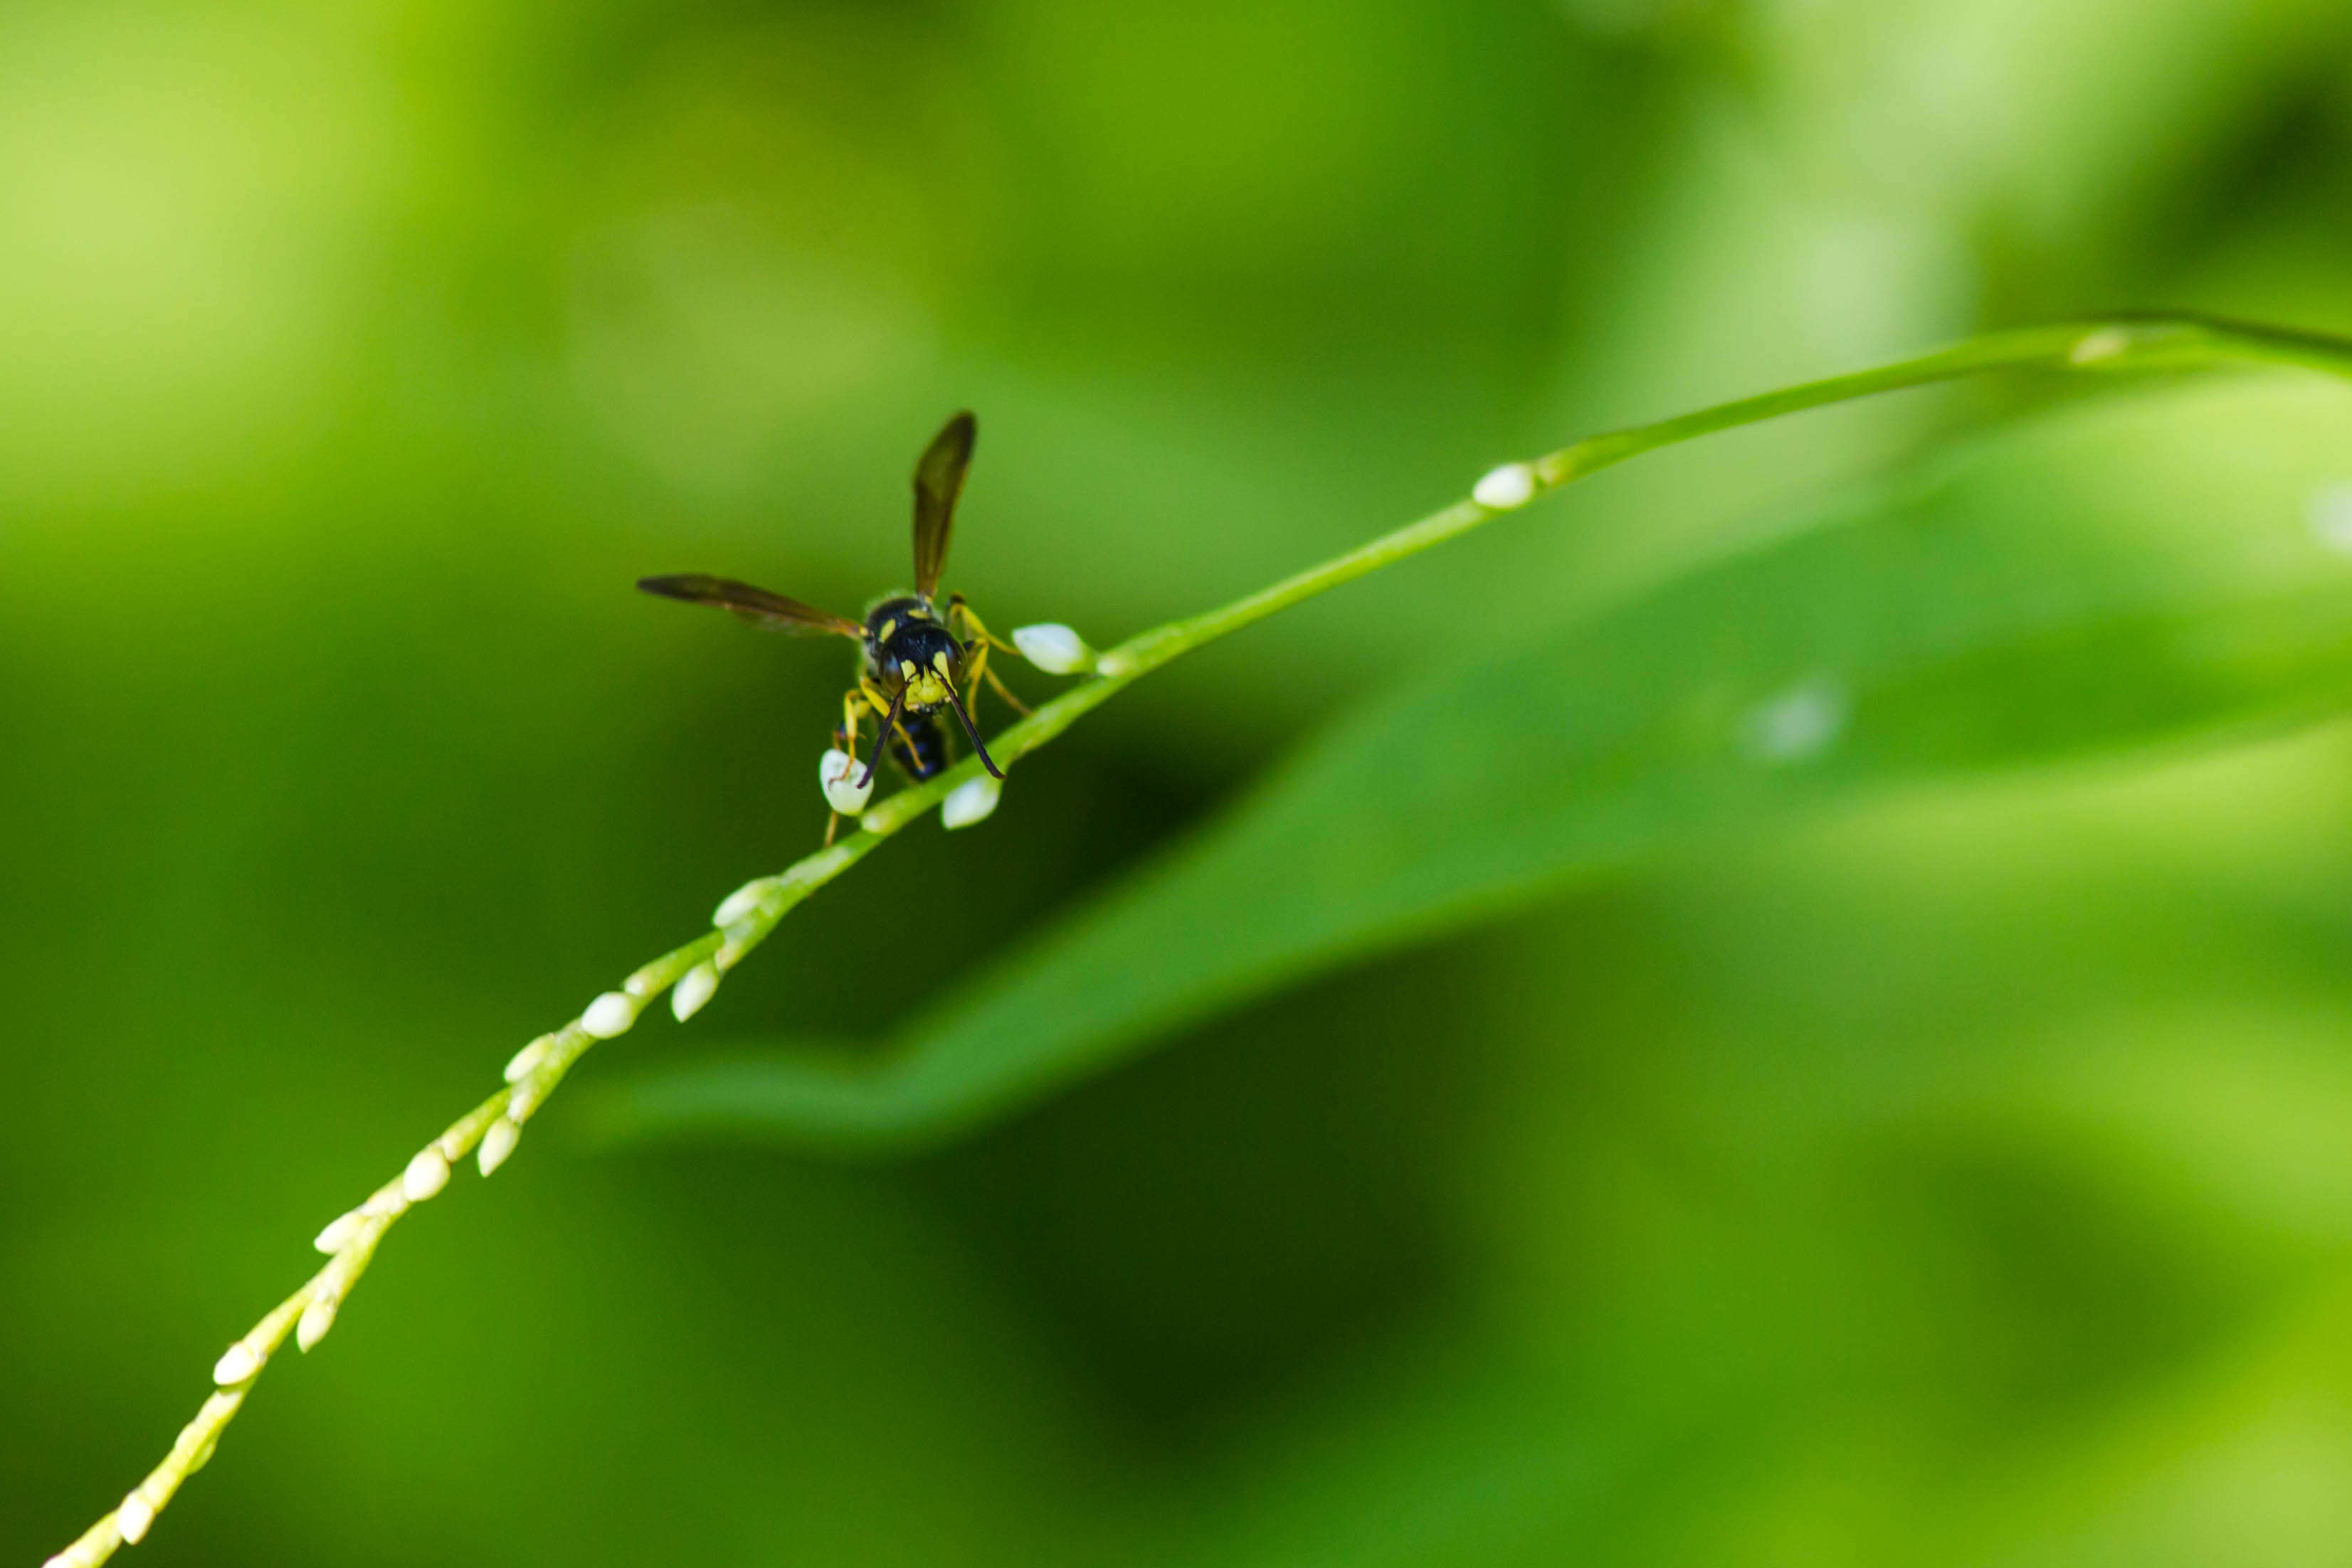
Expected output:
(917, 657)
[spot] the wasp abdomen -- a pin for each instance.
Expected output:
(923, 752)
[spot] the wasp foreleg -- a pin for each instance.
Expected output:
(976, 637)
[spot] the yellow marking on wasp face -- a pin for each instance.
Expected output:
(887, 627)
(940, 661)
(906, 669)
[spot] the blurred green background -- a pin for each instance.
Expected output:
(1941, 1150)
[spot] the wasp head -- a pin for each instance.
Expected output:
(907, 645)
(927, 685)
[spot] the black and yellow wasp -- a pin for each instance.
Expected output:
(915, 653)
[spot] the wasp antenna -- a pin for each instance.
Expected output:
(882, 741)
(977, 745)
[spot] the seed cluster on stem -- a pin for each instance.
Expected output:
(691, 974)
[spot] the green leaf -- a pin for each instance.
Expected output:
(2113, 578)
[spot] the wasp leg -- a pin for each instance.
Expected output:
(960, 610)
(854, 704)
(878, 700)
(978, 638)
(1006, 693)
(975, 667)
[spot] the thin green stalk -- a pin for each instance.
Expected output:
(690, 974)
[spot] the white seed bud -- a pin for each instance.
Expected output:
(609, 1015)
(1512, 484)
(2107, 343)
(1053, 648)
(238, 1364)
(496, 1144)
(388, 1202)
(338, 1233)
(523, 1102)
(740, 938)
(317, 1319)
(2330, 515)
(751, 895)
(334, 1278)
(693, 989)
(839, 773)
(969, 802)
(133, 1518)
(1798, 723)
(529, 1057)
(428, 1174)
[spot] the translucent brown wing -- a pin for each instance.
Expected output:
(938, 480)
(770, 610)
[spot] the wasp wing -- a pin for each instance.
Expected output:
(938, 480)
(770, 610)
